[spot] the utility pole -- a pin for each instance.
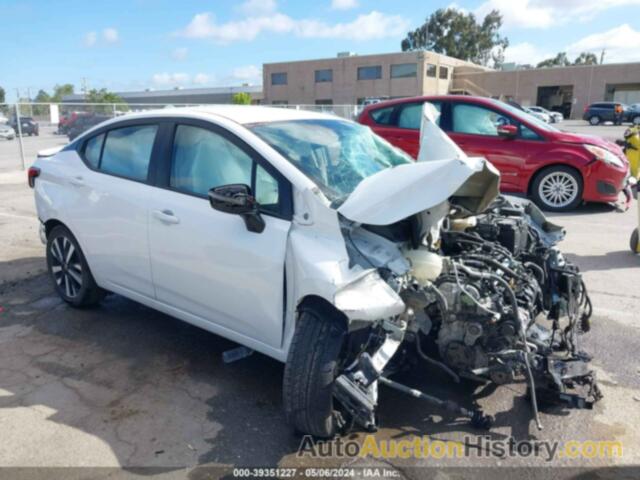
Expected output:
(602, 56)
(84, 88)
(19, 127)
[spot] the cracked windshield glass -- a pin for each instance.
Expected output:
(335, 154)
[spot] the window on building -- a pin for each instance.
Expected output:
(325, 101)
(444, 72)
(370, 73)
(279, 102)
(279, 78)
(404, 70)
(432, 70)
(325, 75)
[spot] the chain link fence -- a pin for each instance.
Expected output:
(27, 128)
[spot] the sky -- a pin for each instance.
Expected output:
(125, 45)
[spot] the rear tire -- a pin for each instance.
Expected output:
(633, 241)
(557, 189)
(69, 270)
(594, 120)
(310, 372)
(636, 120)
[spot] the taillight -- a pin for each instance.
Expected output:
(32, 174)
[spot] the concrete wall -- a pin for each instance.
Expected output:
(589, 82)
(345, 88)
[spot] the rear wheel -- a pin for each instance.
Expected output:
(636, 120)
(594, 120)
(311, 369)
(633, 241)
(557, 189)
(69, 270)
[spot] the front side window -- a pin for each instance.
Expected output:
(382, 116)
(370, 73)
(476, 120)
(279, 78)
(203, 159)
(404, 70)
(335, 154)
(127, 151)
(325, 75)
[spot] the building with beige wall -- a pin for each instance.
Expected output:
(569, 89)
(348, 79)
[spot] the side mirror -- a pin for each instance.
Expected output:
(237, 199)
(508, 131)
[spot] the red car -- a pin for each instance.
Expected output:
(558, 170)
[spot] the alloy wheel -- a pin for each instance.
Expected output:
(558, 189)
(66, 266)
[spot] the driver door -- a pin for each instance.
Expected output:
(205, 262)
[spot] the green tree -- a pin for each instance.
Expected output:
(3, 108)
(41, 97)
(105, 96)
(586, 58)
(60, 91)
(241, 98)
(459, 35)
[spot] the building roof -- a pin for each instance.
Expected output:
(242, 114)
(182, 92)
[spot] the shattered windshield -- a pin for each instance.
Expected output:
(337, 155)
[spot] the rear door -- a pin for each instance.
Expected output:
(205, 262)
(110, 216)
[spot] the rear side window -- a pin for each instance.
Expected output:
(127, 151)
(410, 115)
(92, 150)
(382, 116)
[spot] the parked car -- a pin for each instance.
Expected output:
(600, 112)
(334, 236)
(558, 170)
(538, 114)
(83, 123)
(633, 113)
(554, 117)
(7, 132)
(28, 126)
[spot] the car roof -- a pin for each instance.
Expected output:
(242, 114)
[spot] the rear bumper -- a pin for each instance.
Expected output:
(603, 182)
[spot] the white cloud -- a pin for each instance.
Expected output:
(170, 79)
(258, 7)
(365, 27)
(201, 79)
(620, 44)
(247, 72)
(525, 53)
(90, 39)
(110, 35)
(180, 54)
(343, 4)
(547, 13)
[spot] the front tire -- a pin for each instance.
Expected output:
(636, 120)
(310, 372)
(557, 189)
(69, 270)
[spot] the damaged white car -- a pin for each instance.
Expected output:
(310, 239)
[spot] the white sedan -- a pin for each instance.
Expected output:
(296, 234)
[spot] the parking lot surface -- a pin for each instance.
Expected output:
(123, 385)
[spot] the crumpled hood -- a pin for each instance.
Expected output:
(443, 170)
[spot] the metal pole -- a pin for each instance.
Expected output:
(19, 126)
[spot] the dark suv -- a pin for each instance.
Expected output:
(28, 126)
(597, 113)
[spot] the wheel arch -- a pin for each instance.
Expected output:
(534, 175)
(52, 223)
(322, 306)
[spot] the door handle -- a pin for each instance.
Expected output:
(76, 181)
(166, 216)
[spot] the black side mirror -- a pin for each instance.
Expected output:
(237, 199)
